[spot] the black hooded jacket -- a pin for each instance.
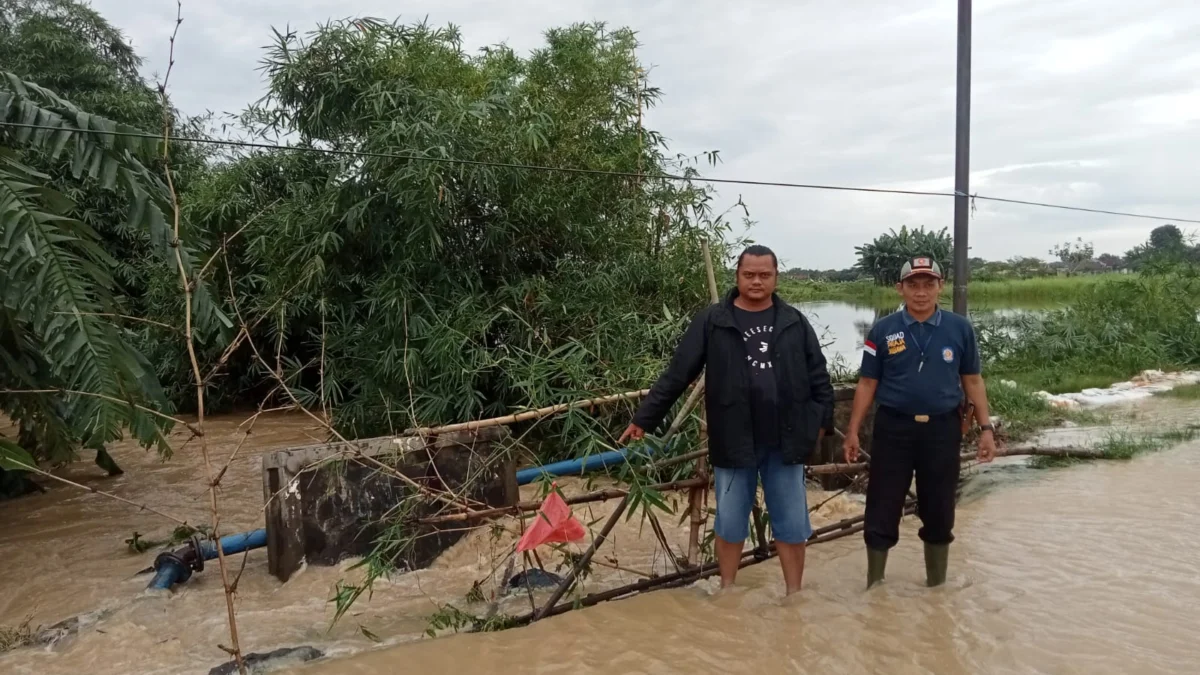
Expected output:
(713, 343)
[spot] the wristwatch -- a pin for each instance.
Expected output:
(986, 427)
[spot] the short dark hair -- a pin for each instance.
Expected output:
(758, 250)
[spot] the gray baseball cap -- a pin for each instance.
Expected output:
(921, 265)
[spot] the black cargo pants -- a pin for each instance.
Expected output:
(900, 446)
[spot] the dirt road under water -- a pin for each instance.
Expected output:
(1093, 568)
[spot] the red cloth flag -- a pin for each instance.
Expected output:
(554, 524)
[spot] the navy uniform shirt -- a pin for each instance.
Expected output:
(918, 364)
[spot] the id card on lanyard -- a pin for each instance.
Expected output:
(923, 347)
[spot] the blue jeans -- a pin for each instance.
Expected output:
(786, 496)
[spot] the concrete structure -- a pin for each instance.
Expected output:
(324, 505)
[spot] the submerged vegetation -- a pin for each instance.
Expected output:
(1187, 391)
(1124, 445)
(14, 637)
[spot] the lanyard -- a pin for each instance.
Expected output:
(921, 347)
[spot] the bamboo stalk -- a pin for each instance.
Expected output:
(696, 495)
(1063, 451)
(672, 461)
(525, 415)
(827, 469)
(47, 474)
(839, 530)
(606, 494)
(569, 581)
(698, 482)
(189, 337)
(525, 507)
(191, 427)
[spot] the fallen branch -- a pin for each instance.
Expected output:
(189, 339)
(1062, 451)
(583, 561)
(606, 494)
(47, 474)
(526, 415)
(110, 315)
(838, 530)
(602, 495)
(191, 427)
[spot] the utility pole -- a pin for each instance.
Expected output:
(962, 158)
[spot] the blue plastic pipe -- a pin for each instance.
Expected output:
(573, 467)
(236, 543)
(166, 574)
(170, 568)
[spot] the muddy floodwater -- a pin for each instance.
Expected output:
(1093, 568)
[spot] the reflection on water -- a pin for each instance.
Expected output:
(842, 326)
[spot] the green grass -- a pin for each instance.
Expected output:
(1188, 391)
(1063, 381)
(1053, 289)
(1022, 413)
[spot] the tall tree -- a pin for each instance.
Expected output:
(1165, 247)
(405, 285)
(1074, 255)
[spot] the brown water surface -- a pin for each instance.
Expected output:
(1093, 568)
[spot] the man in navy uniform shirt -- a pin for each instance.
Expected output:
(917, 363)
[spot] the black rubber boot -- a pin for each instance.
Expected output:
(937, 559)
(876, 562)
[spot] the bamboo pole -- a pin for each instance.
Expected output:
(525, 415)
(838, 530)
(696, 496)
(821, 535)
(141, 507)
(187, 286)
(569, 580)
(697, 482)
(602, 495)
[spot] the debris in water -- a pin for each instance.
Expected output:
(533, 579)
(66, 628)
(265, 663)
(1145, 385)
(18, 636)
(554, 524)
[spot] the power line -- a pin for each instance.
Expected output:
(477, 162)
(583, 171)
(1080, 208)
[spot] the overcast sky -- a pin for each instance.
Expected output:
(1092, 103)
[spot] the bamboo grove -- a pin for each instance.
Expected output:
(385, 291)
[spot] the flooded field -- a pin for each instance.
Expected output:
(1086, 569)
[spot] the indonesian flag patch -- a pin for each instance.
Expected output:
(869, 347)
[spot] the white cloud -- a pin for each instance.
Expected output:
(1087, 102)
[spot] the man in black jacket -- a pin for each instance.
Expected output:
(768, 396)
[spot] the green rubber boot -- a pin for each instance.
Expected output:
(937, 559)
(876, 562)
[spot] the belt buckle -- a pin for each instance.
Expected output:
(921, 418)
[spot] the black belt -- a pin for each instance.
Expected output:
(917, 417)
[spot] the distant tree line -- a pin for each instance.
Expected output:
(880, 259)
